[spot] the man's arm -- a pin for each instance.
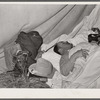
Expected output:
(67, 64)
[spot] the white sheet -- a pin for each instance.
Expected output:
(53, 57)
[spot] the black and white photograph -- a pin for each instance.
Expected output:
(49, 46)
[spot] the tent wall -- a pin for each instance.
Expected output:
(49, 20)
(71, 16)
(17, 17)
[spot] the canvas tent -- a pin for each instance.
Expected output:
(50, 21)
(46, 19)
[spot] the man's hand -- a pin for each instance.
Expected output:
(81, 53)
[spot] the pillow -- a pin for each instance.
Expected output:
(53, 57)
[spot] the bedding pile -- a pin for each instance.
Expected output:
(22, 54)
(7, 80)
(18, 77)
(86, 73)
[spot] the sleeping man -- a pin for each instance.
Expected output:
(78, 64)
(66, 63)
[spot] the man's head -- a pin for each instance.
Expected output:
(62, 47)
(94, 39)
(96, 30)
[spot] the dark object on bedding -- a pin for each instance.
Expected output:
(39, 78)
(94, 37)
(30, 42)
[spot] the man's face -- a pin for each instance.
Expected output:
(64, 46)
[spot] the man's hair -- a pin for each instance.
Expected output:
(56, 49)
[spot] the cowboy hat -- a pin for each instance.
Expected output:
(42, 68)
